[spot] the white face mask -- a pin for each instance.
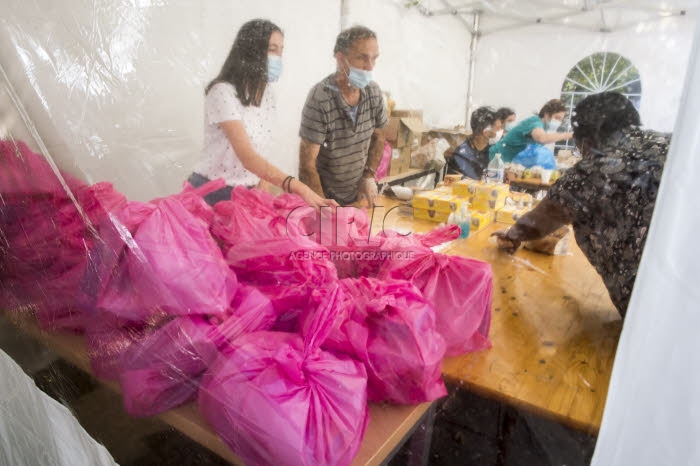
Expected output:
(510, 125)
(358, 78)
(496, 138)
(553, 125)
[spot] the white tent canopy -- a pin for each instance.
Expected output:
(514, 19)
(113, 91)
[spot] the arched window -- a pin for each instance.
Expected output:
(600, 72)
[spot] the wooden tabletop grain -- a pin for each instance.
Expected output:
(554, 331)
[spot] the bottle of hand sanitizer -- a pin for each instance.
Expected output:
(464, 222)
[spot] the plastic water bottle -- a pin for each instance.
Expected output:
(464, 222)
(495, 170)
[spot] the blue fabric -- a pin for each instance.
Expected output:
(223, 194)
(516, 139)
(468, 161)
(536, 154)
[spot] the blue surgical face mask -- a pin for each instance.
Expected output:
(553, 125)
(274, 68)
(359, 78)
(510, 125)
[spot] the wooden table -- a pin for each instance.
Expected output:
(554, 332)
(408, 175)
(389, 427)
(530, 184)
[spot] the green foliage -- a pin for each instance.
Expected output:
(603, 71)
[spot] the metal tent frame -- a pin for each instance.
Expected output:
(487, 17)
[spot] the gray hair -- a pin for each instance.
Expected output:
(347, 37)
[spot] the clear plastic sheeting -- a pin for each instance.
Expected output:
(36, 429)
(261, 331)
(652, 409)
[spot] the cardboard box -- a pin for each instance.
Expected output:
(439, 201)
(451, 203)
(490, 196)
(431, 215)
(425, 200)
(391, 130)
(454, 136)
(401, 113)
(480, 219)
(443, 190)
(410, 129)
(510, 214)
(465, 188)
(524, 199)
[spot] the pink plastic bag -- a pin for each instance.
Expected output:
(163, 370)
(276, 399)
(27, 174)
(48, 236)
(175, 265)
(108, 338)
(192, 199)
(383, 167)
(248, 216)
(58, 309)
(390, 328)
(286, 271)
(460, 290)
(331, 228)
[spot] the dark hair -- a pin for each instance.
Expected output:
(552, 107)
(481, 118)
(246, 65)
(599, 116)
(348, 36)
(504, 112)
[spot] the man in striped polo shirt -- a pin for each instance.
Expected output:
(341, 143)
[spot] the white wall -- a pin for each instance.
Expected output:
(423, 60)
(526, 67)
(115, 89)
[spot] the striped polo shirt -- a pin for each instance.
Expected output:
(327, 120)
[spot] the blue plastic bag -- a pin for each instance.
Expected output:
(535, 154)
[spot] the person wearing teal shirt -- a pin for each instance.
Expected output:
(533, 130)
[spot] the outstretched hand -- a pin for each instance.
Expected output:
(505, 242)
(316, 201)
(368, 188)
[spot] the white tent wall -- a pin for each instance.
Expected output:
(115, 89)
(524, 68)
(424, 61)
(652, 414)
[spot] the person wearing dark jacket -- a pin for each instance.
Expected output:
(608, 196)
(472, 156)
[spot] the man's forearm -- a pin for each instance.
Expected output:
(376, 150)
(308, 174)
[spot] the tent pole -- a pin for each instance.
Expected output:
(344, 14)
(476, 32)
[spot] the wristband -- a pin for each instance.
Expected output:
(286, 181)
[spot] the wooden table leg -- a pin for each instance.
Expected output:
(420, 442)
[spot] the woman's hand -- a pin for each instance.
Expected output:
(505, 242)
(310, 196)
